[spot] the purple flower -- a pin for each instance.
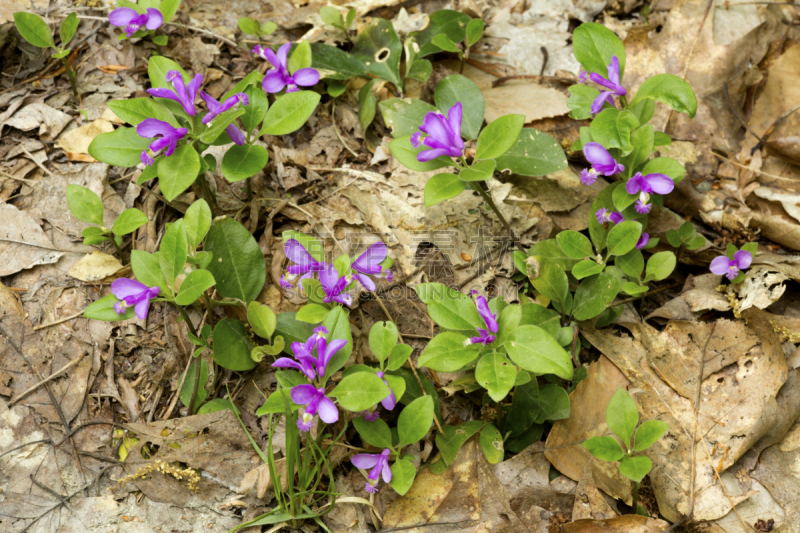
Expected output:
(184, 94)
(486, 335)
(133, 21)
(390, 401)
(731, 267)
(333, 285)
(169, 137)
(602, 163)
(612, 83)
(325, 353)
(305, 263)
(215, 108)
(278, 78)
(305, 363)
(443, 135)
(604, 215)
(583, 77)
(371, 416)
(379, 463)
(133, 293)
(645, 186)
(643, 240)
(304, 353)
(370, 263)
(316, 403)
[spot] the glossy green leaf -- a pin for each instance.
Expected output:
(648, 433)
(249, 26)
(612, 128)
(491, 442)
(188, 384)
(474, 31)
(574, 244)
(671, 90)
(622, 415)
(496, 374)
(587, 268)
(580, 101)
(406, 154)
(173, 251)
(594, 45)
(292, 330)
(456, 88)
(375, 433)
(232, 345)
(147, 270)
(122, 147)
(533, 154)
(446, 353)
(367, 103)
(660, 266)
(399, 356)
(289, 113)
(535, 350)
(103, 309)
(238, 264)
(635, 468)
(379, 48)
(135, 110)
(300, 57)
(403, 474)
(360, 391)
(337, 322)
(197, 222)
(415, 420)
(524, 408)
(622, 238)
(242, 162)
(442, 187)
(552, 282)
(382, 339)
(665, 165)
(177, 172)
(312, 313)
(68, 28)
(195, 284)
(631, 263)
(168, 9)
(604, 448)
(334, 63)
(454, 437)
(128, 221)
(553, 403)
(34, 29)
(84, 204)
(404, 115)
(449, 308)
(480, 171)
(593, 296)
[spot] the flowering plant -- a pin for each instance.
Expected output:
(143, 18)
(171, 131)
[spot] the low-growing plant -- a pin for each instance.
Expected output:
(622, 417)
(35, 30)
(142, 19)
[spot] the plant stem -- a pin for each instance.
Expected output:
(197, 363)
(479, 186)
(635, 496)
(72, 78)
(119, 249)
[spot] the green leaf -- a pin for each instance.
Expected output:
(597, 231)
(93, 235)
(157, 69)
(635, 468)
(147, 270)
(533, 154)
(335, 64)
(197, 222)
(593, 295)
(622, 238)
(128, 221)
(648, 433)
(397, 384)
(496, 374)
(697, 242)
(375, 433)
(59, 55)
(379, 48)
(622, 415)
(528, 437)
(508, 319)
(312, 313)
(643, 111)
(217, 126)
(331, 15)
(262, 319)
(474, 31)
(238, 264)
(168, 9)
(552, 252)
(671, 90)
(609, 316)
(454, 437)
(217, 404)
(85, 204)
(660, 266)
(622, 199)
(581, 98)
(403, 474)
(195, 284)
(604, 448)
(256, 109)
(253, 79)
(665, 165)
(173, 251)
(382, 339)
(446, 353)
(633, 288)
(276, 403)
(535, 350)
(367, 102)
(686, 232)
(449, 308)
(574, 244)
(442, 187)
(188, 384)
(337, 322)
(612, 128)
(415, 420)
(406, 154)
(631, 263)
(444, 42)
(162, 40)
(136, 110)
(420, 70)
(103, 309)
(249, 26)
(587, 268)
(177, 172)
(553, 403)
(292, 330)
(553, 283)
(242, 162)
(122, 147)
(491, 442)
(399, 356)
(68, 27)
(594, 45)
(480, 171)
(232, 345)
(451, 23)
(34, 29)
(642, 140)
(360, 391)
(661, 138)
(404, 115)
(300, 58)
(524, 408)
(350, 18)
(289, 113)
(456, 88)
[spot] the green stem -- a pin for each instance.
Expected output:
(117, 246)
(479, 186)
(72, 78)
(197, 363)
(635, 496)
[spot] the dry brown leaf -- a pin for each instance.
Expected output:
(589, 501)
(49, 121)
(23, 244)
(95, 266)
(76, 142)
(621, 524)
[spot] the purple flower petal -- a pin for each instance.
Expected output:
(613, 73)
(283, 55)
(435, 126)
(329, 351)
(329, 278)
(365, 281)
(486, 314)
(306, 77)
(387, 472)
(236, 135)
(743, 259)
(274, 82)
(142, 308)
(602, 98)
(720, 265)
(642, 208)
(454, 119)
(125, 287)
(122, 16)
(327, 410)
(588, 176)
(415, 139)
(429, 155)
(634, 184)
(365, 460)
(150, 127)
(643, 240)
(297, 253)
(597, 155)
(659, 183)
(303, 394)
(154, 19)
(369, 261)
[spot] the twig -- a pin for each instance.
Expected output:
(504, 79)
(35, 161)
(59, 321)
(745, 167)
(53, 375)
(24, 180)
(64, 502)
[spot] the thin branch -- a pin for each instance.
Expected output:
(52, 376)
